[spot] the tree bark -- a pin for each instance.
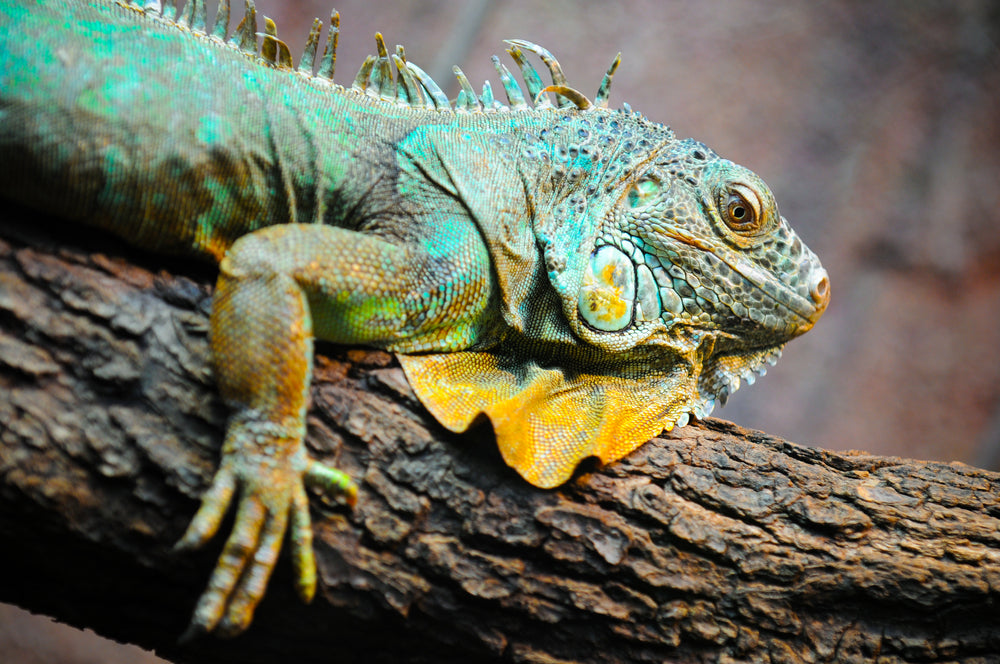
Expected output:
(710, 543)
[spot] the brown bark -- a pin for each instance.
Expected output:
(712, 543)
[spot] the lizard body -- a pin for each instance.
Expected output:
(577, 274)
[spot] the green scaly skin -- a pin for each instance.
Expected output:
(576, 273)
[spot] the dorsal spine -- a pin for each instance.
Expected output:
(411, 86)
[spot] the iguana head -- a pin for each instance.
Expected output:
(696, 248)
(641, 278)
(649, 280)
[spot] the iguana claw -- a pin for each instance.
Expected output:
(332, 482)
(272, 501)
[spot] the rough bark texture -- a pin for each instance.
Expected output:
(712, 543)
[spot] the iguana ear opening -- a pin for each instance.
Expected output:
(597, 282)
(548, 419)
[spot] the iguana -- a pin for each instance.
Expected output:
(577, 274)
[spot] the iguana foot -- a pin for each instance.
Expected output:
(270, 469)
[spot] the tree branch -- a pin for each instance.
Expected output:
(711, 543)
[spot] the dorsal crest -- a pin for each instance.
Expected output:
(389, 77)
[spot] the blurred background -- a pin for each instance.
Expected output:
(877, 125)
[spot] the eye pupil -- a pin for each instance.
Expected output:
(738, 212)
(743, 210)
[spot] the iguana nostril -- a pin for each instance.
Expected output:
(819, 289)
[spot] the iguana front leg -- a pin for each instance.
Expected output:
(277, 288)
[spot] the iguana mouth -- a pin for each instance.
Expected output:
(808, 309)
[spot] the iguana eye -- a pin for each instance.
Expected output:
(740, 207)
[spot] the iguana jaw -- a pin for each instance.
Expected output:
(809, 310)
(618, 287)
